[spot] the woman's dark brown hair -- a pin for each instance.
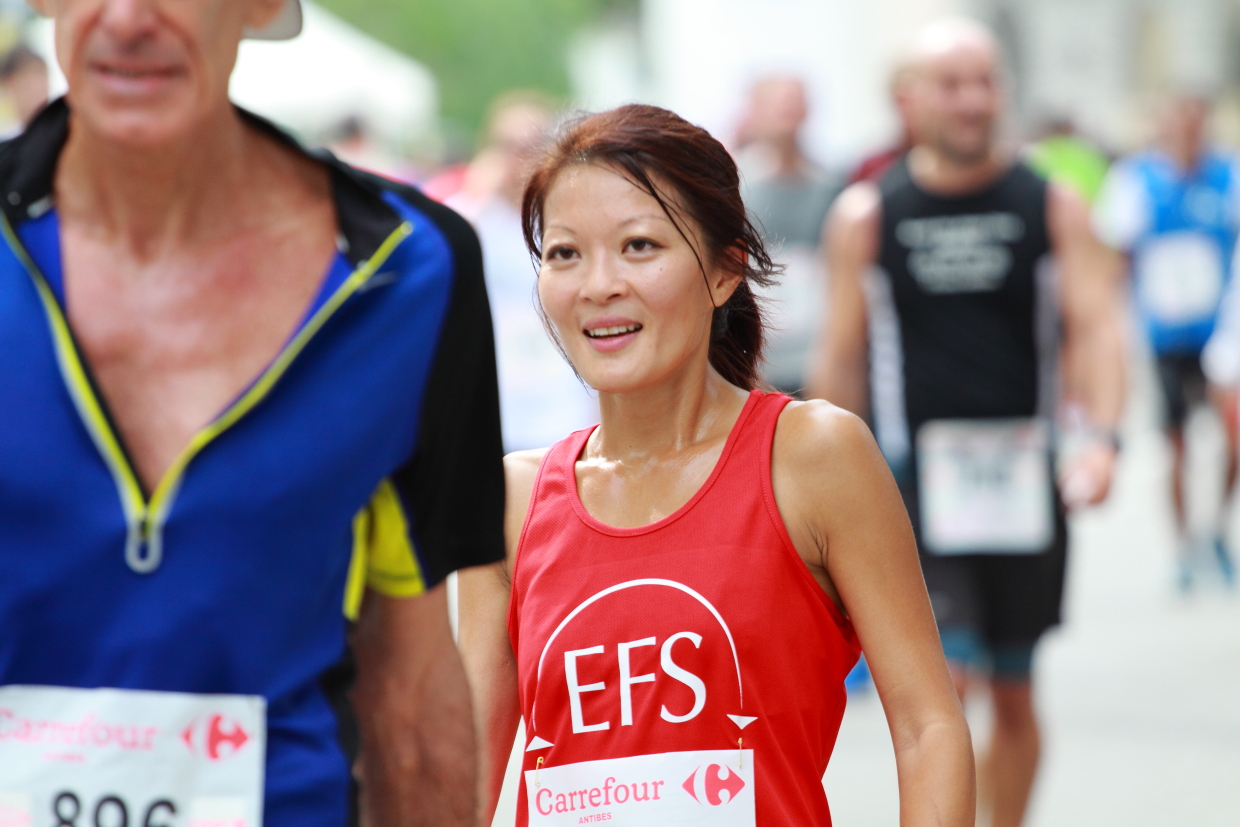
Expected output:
(691, 175)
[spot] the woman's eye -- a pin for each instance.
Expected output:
(641, 245)
(560, 253)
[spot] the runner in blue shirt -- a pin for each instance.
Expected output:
(1175, 210)
(241, 384)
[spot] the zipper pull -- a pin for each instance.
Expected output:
(143, 547)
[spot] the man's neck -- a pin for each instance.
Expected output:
(1186, 156)
(941, 174)
(789, 161)
(155, 196)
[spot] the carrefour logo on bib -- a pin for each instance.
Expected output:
(702, 788)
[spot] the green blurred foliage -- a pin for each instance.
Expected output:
(479, 48)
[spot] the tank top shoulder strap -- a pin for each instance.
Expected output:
(1027, 192)
(895, 179)
(755, 435)
(557, 474)
(555, 485)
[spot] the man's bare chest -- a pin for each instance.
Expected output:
(172, 342)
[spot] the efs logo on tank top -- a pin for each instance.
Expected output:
(647, 665)
(636, 654)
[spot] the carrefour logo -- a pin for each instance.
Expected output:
(714, 785)
(214, 737)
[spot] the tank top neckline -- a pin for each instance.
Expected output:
(569, 469)
(988, 190)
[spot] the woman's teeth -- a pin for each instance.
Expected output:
(605, 332)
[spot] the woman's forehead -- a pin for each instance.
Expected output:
(610, 192)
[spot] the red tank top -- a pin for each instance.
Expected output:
(687, 672)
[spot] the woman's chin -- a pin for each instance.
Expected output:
(620, 382)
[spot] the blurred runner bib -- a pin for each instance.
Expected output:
(127, 758)
(704, 788)
(1180, 277)
(985, 486)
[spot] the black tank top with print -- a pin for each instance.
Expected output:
(964, 282)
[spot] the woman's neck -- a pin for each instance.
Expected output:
(659, 422)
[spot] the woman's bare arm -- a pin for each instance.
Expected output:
(848, 522)
(485, 646)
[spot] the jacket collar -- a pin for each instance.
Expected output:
(28, 170)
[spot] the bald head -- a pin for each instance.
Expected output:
(951, 35)
(955, 88)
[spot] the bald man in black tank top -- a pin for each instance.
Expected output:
(960, 285)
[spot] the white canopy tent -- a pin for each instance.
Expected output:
(312, 84)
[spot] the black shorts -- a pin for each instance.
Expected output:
(1183, 385)
(1006, 600)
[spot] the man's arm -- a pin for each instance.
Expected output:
(851, 236)
(417, 757)
(1094, 351)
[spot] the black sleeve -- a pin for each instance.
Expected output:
(453, 486)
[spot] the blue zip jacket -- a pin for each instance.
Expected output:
(369, 451)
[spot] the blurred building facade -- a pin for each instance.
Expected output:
(1104, 64)
(1099, 63)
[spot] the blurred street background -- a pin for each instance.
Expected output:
(1140, 689)
(422, 74)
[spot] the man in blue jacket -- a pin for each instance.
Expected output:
(251, 424)
(1174, 209)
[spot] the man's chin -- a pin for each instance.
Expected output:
(137, 126)
(967, 154)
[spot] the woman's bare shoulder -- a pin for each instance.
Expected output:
(826, 453)
(812, 431)
(520, 473)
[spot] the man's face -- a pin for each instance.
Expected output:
(958, 100)
(779, 109)
(1186, 121)
(516, 135)
(146, 72)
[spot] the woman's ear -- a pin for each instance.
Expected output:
(728, 275)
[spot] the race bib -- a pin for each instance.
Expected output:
(708, 788)
(126, 758)
(985, 486)
(1180, 277)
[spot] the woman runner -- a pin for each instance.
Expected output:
(688, 583)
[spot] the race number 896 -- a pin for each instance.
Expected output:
(109, 811)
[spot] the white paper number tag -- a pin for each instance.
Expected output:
(985, 486)
(1180, 277)
(107, 757)
(707, 788)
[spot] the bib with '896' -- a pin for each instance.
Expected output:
(129, 758)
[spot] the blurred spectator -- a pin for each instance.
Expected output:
(541, 398)
(355, 144)
(23, 74)
(874, 167)
(1175, 210)
(1220, 361)
(1067, 158)
(788, 195)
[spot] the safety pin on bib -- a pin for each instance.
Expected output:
(537, 767)
(740, 753)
